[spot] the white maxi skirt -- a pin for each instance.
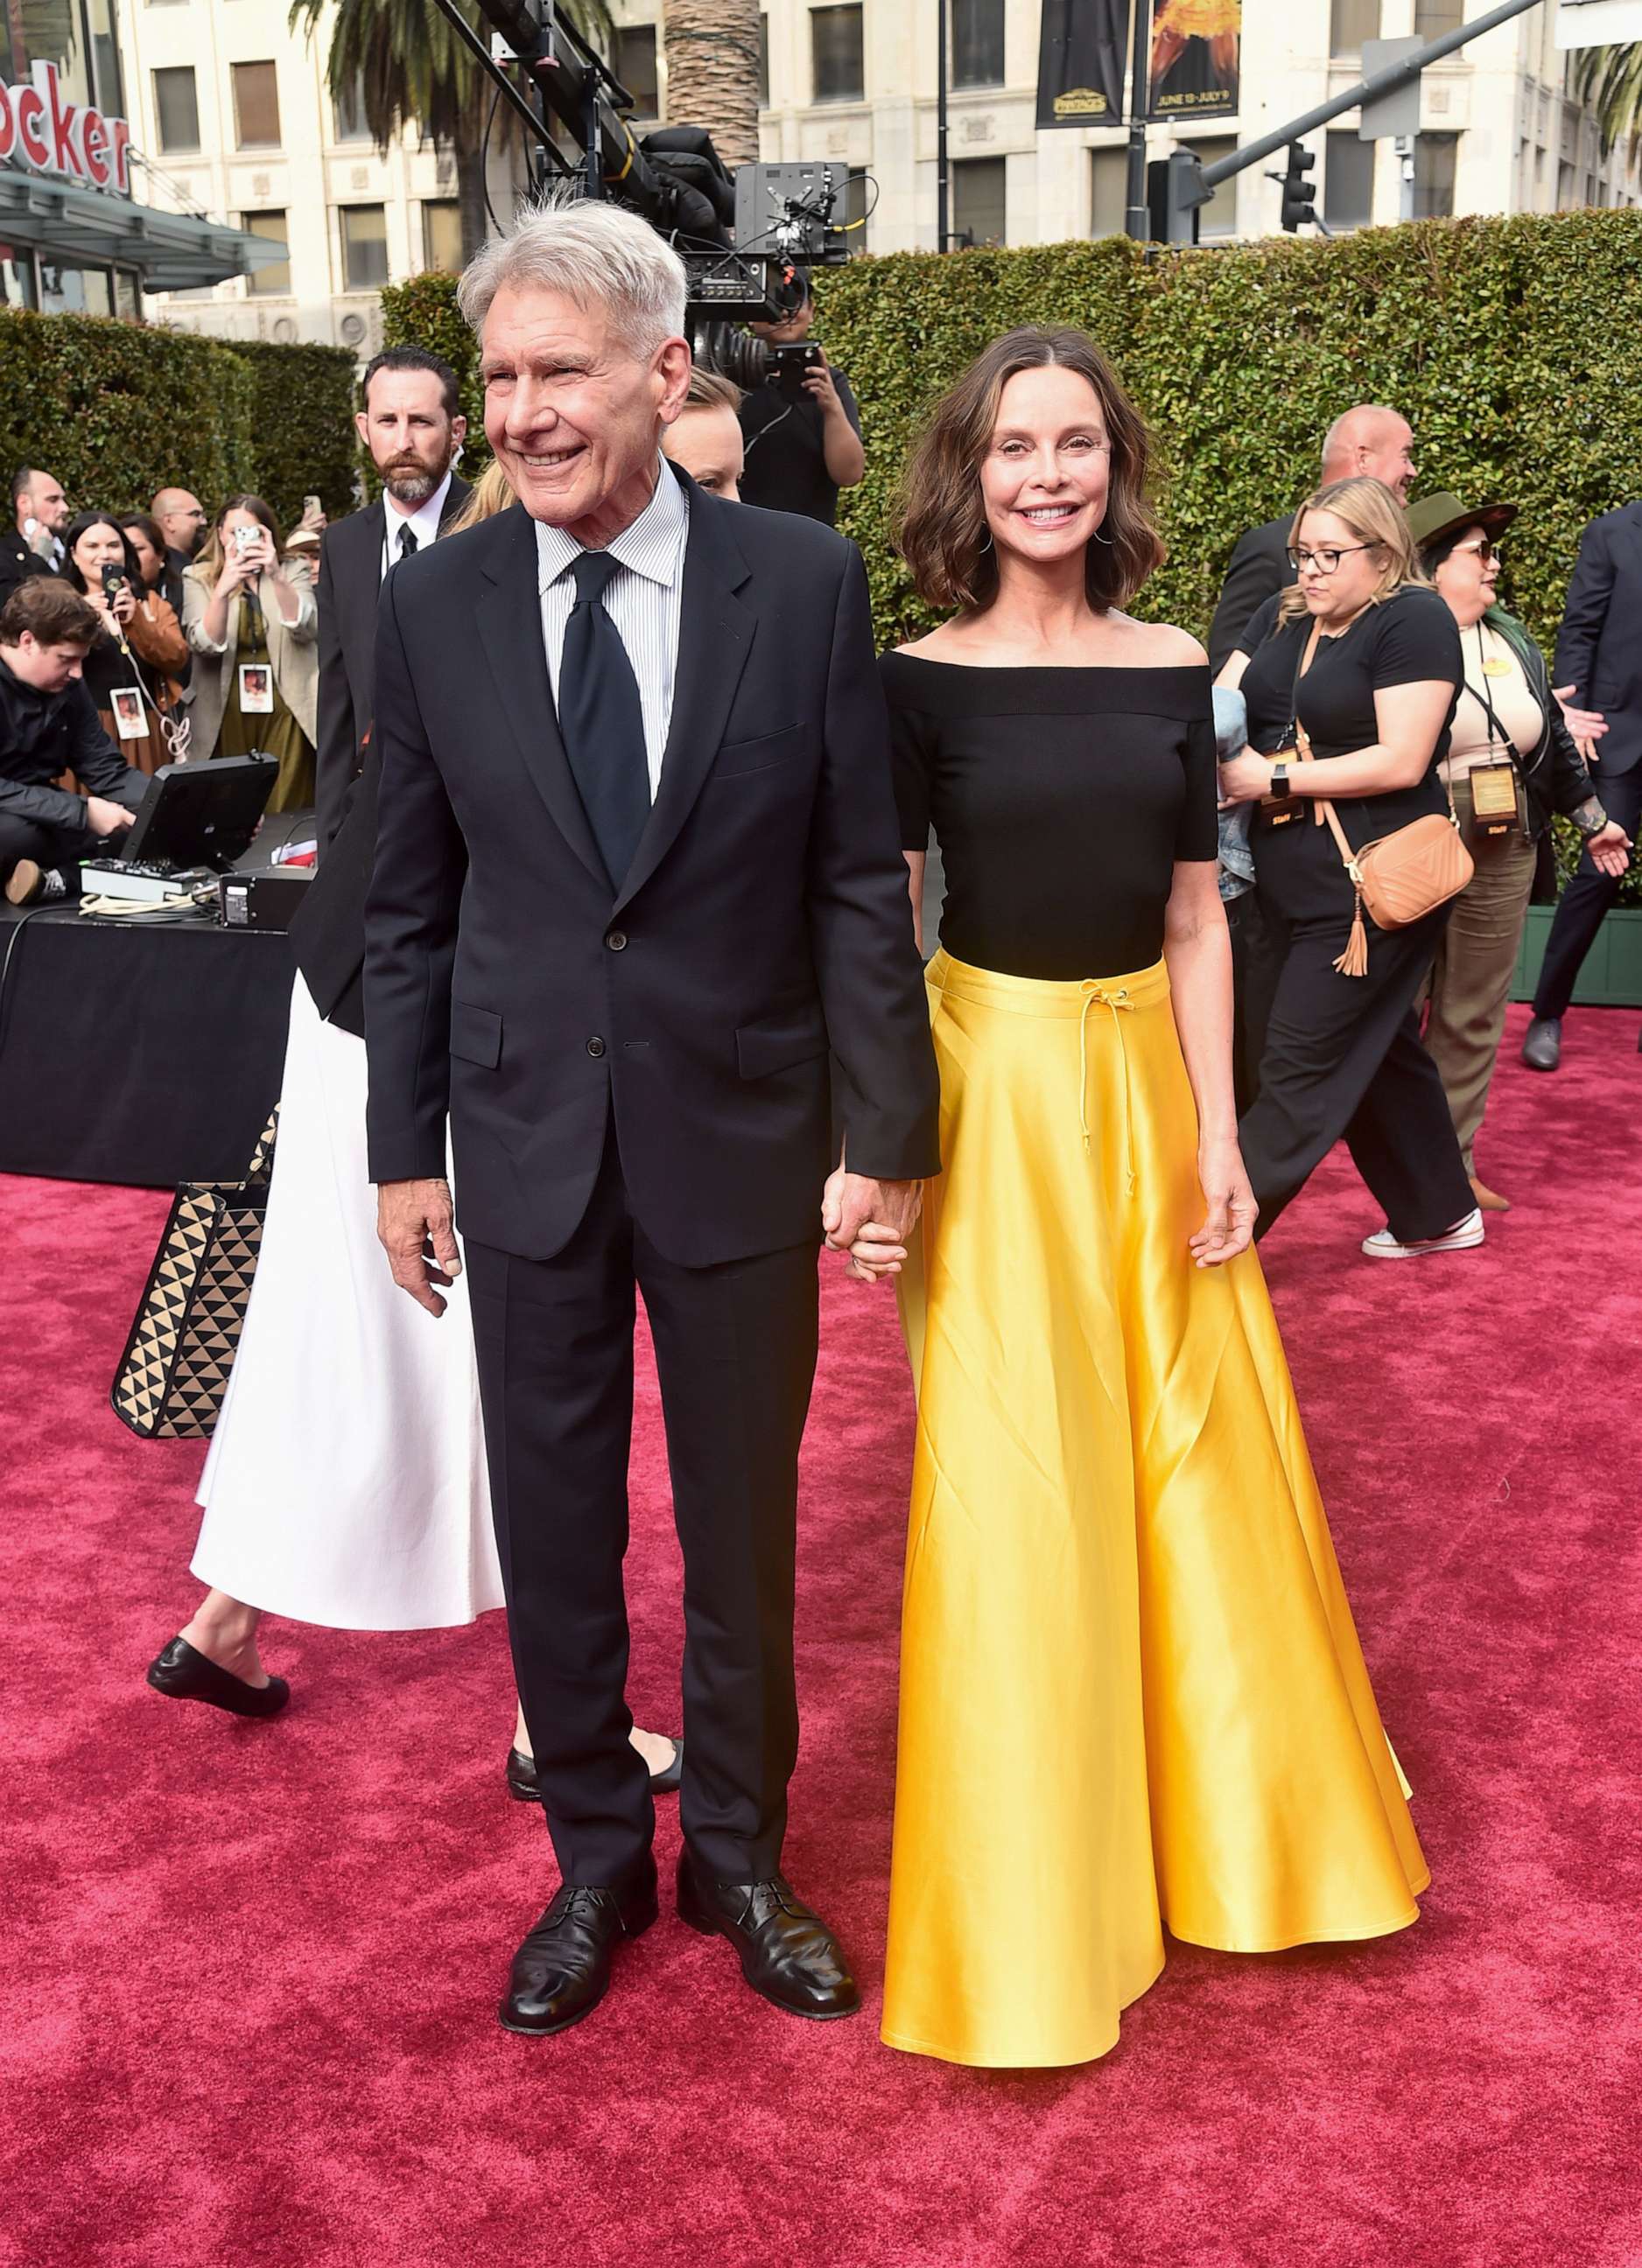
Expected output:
(345, 1483)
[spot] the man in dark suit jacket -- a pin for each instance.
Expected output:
(412, 427)
(1598, 667)
(1368, 438)
(39, 512)
(637, 879)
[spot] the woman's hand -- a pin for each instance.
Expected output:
(123, 603)
(1610, 848)
(98, 599)
(1229, 1223)
(238, 569)
(1245, 777)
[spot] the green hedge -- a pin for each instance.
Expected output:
(117, 410)
(1511, 346)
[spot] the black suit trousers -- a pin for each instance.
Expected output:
(1586, 899)
(736, 1354)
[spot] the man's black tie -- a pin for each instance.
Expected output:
(407, 541)
(602, 720)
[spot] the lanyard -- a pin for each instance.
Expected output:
(1498, 736)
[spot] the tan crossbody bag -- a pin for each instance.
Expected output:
(1400, 877)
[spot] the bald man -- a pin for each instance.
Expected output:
(1369, 438)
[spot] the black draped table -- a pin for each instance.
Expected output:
(138, 1052)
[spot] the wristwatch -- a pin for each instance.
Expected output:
(1281, 784)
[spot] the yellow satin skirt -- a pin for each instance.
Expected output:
(1131, 1692)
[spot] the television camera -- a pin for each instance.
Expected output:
(746, 238)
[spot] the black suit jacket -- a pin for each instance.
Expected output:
(18, 560)
(764, 922)
(1599, 647)
(349, 583)
(1260, 566)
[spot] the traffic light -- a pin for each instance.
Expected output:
(1174, 190)
(1299, 195)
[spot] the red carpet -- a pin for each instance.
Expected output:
(251, 1970)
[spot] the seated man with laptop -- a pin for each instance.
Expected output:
(49, 730)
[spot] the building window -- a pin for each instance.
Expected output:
(1348, 181)
(1108, 192)
(1566, 195)
(363, 247)
(347, 113)
(635, 67)
(177, 109)
(838, 70)
(1433, 17)
(273, 282)
(981, 201)
(1217, 219)
(1350, 22)
(106, 57)
(763, 62)
(1433, 175)
(257, 106)
(441, 235)
(978, 42)
(127, 295)
(68, 290)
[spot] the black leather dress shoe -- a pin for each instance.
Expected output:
(524, 1787)
(562, 1971)
(788, 1952)
(182, 1672)
(1541, 1044)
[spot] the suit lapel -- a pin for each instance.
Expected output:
(455, 496)
(510, 628)
(715, 633)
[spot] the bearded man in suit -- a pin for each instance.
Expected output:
(638, 922)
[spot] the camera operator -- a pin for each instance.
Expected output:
(133, 671)
(803, 445)
(48, 728)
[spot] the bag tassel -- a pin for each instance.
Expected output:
(1354, 961)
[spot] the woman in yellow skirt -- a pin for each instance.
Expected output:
(1132, 1697)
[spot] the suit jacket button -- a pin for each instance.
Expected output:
(618, 940)
(595, 1046)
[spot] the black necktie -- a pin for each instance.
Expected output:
(407, 541)
(602, 720)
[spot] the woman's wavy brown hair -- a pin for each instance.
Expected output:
(1374, 516)
(941, 523)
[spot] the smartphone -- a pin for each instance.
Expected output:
(310, 507)
(790, 365)
(113, 579)
(247, 538)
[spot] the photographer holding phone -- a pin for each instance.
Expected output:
(250, 617)
(132, 669)
(802, 428)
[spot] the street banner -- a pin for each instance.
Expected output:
(1080, 63)
(1195, 47)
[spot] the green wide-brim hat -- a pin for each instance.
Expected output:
(1433, 517)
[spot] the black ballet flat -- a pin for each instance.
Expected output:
(524, 1786)
(182, 1673)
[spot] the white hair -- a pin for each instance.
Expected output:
(595, 254)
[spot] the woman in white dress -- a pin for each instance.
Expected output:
(345, 1485)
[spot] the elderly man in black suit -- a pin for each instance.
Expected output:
(637, 883)
(1368, 438)
(1599, 669)
(412, 427)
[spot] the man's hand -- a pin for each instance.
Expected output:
(819, 386)
(105, 818)
(870, 1220)
(1609, 848)
(414, 1227)
(1587, 726)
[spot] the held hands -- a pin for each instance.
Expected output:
(1610, 848)
(870, 1220)
(1229, 1223)
(1587, 726)
(414, 1226)
(1244, 777)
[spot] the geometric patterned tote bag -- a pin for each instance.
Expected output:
(174, 1371)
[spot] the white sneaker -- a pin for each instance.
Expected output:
(1461, 1238)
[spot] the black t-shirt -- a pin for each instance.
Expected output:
(1060, 799)
(786, 468)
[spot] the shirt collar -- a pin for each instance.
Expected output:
(422, 522)
(652, 545)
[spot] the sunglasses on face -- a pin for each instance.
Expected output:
(1486, 548)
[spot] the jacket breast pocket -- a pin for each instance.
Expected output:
(475, 1034)
(780, 1042)
(737, 758)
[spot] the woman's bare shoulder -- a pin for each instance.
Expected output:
(1160, 645)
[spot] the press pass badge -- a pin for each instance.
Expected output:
(130, 723)
(257, 689)
(1494, 800)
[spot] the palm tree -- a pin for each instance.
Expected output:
(405, 64)
(712, 48)
(1608, 80)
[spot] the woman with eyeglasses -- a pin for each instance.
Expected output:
(1512, 761)
(1365, 658)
